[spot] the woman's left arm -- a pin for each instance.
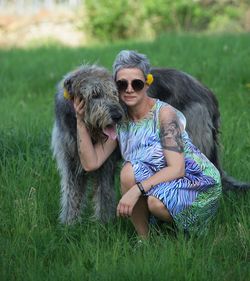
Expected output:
(173, 149)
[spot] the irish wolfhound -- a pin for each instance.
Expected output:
(103, 110)
(94, 84)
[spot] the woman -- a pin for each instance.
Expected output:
(164, 174)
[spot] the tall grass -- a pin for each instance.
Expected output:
(34, 246)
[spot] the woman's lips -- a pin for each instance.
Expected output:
(129, 97)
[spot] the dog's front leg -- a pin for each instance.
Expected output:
(73, 178)
(104, 196)
(73, 185)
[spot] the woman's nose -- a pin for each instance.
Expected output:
(129, 88)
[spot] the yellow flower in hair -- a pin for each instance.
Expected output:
(66, 95)
(150, 79)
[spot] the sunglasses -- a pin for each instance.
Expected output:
(136, 84)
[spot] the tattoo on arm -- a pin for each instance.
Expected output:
(170, 136)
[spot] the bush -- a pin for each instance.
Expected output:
(177, 15)
(110, 20)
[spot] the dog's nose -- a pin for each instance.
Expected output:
(116, 117)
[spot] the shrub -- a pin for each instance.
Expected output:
(110, 20)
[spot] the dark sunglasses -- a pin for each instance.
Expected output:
(136, 84)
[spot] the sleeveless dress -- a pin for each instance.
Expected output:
(191, 200)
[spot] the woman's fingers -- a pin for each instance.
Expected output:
(79, 106)
(76, 101)
(127, 202)
(123, 210)
(119, 210)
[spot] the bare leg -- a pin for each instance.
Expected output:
(158, 209)
(140, 212)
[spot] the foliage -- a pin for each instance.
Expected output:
(111, 20)
(108, 19)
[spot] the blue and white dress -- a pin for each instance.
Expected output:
(191, 200)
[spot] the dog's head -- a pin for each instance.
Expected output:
(94, 84)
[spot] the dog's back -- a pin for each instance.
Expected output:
(200, 107)
(198, 104)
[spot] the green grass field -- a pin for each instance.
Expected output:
(34, 246)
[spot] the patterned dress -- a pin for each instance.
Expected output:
(191, 200)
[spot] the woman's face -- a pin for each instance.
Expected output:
(131, 85)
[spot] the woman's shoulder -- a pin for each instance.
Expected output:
(161, 104)
(168, 112)
(165, 109)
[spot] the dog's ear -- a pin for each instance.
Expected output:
(67, 84)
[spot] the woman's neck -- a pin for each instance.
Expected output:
(141, 110)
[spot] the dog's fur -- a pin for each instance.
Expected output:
(94, 84)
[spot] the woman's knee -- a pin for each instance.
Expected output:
(158, 209)
(127, 178)
(154, 204)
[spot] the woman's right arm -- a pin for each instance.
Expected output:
(91, 156)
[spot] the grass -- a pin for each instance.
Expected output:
(34, 246)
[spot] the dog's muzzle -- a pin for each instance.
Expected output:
(110, 130)
(116, 117)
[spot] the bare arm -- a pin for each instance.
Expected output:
(91, 156)
(173, 149)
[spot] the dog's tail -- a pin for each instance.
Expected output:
(231, 184)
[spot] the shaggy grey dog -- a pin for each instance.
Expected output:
(94, 84)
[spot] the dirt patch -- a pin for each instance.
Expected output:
(22, 29)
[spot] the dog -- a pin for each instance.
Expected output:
(94, 84)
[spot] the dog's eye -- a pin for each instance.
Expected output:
(95, 95)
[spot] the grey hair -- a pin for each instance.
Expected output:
(131, 59)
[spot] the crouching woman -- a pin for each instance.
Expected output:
(164, 175)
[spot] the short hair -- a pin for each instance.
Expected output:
(131, 59)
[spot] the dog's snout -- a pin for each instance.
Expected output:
(116, 116)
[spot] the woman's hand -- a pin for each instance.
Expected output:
(127, 202)
(79, 106)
